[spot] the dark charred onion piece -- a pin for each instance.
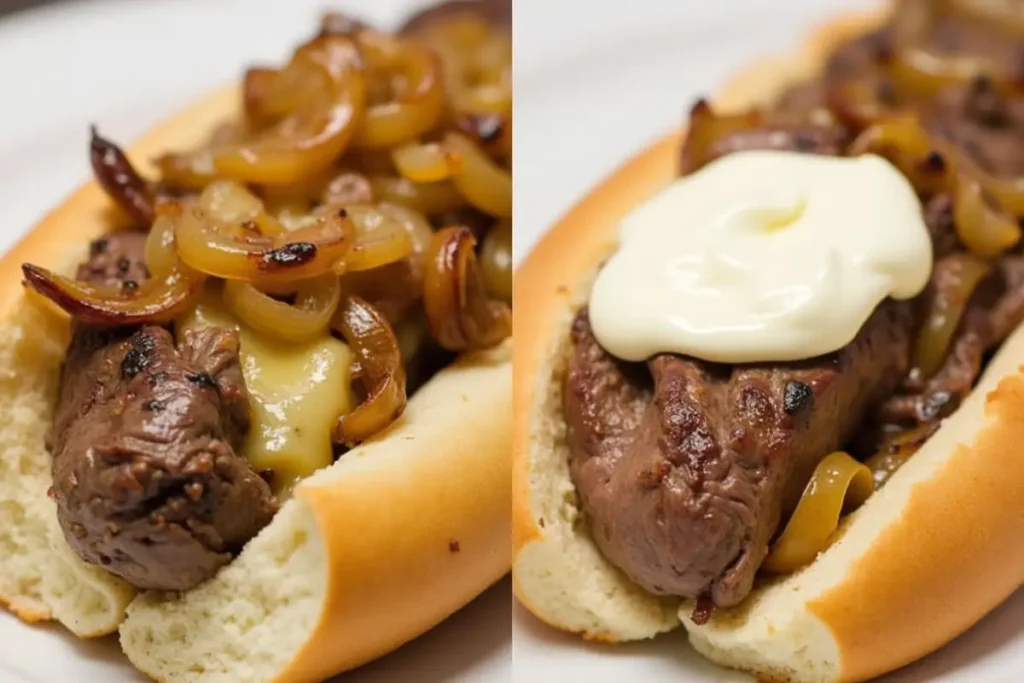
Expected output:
(984, 230)
(706, 127)
(416, 106)
(155, 301)
(120, 180)
(496, 260)
(315, 303)
(427, 198)
(839, 483)
(896, 450)
(944, 312)
(461, 315)
(233, 252)
(378, 367)
(315, 104)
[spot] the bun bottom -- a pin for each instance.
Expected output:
(369, 553)
(948, 523)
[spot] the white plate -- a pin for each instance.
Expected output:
(594, 84)
(126, 65)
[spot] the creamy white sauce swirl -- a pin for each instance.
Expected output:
(762, 256)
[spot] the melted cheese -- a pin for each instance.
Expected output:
(297, 391)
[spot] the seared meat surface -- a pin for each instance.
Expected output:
(146, 474)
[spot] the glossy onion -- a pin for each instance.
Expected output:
(839, 482)
(461, 315)
(378, 367)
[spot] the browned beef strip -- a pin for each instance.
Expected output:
(684, 468)
(146, 474)
(994, 311)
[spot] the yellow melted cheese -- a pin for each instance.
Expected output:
(297, 391)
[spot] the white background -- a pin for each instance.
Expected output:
(595, 82)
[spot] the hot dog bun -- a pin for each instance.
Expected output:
(369, 553)
(919, 563)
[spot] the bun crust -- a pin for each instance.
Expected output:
(370, 552)
(925, 558)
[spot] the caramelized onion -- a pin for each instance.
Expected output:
(417, 105)
(230, 202)
(857, 102)
(944, 313)
(903, 141)
(235, 252)
(455, 298)
(927, 73)
(706, 128)
(935, 167)
(155, 301)
(427, 198)
(315, 303)
(378, 239)
(378, 367)
(839, 482)
(120, 180)
(983, 230)
(161, 256)
(424, 163)
(316, 103)
(486, 185)
(496, 260)
(394, 288)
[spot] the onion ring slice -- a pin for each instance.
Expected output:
(455, 298)
(315, 303)
(379, 369)
(155, 301)
(839, 482)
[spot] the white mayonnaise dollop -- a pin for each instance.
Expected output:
(762, 256)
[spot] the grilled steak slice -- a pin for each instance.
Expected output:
(145, 472)
(994, 311)
(684, 468)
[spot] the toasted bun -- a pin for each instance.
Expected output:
(369, 553)
(948, 523)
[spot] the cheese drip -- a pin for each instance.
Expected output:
(297, 390)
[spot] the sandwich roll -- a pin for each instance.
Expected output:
(929, 553)
(395, 534)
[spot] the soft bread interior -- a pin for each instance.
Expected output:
(246, 623)
(252, 620)
(562, 575)
(40, 577)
